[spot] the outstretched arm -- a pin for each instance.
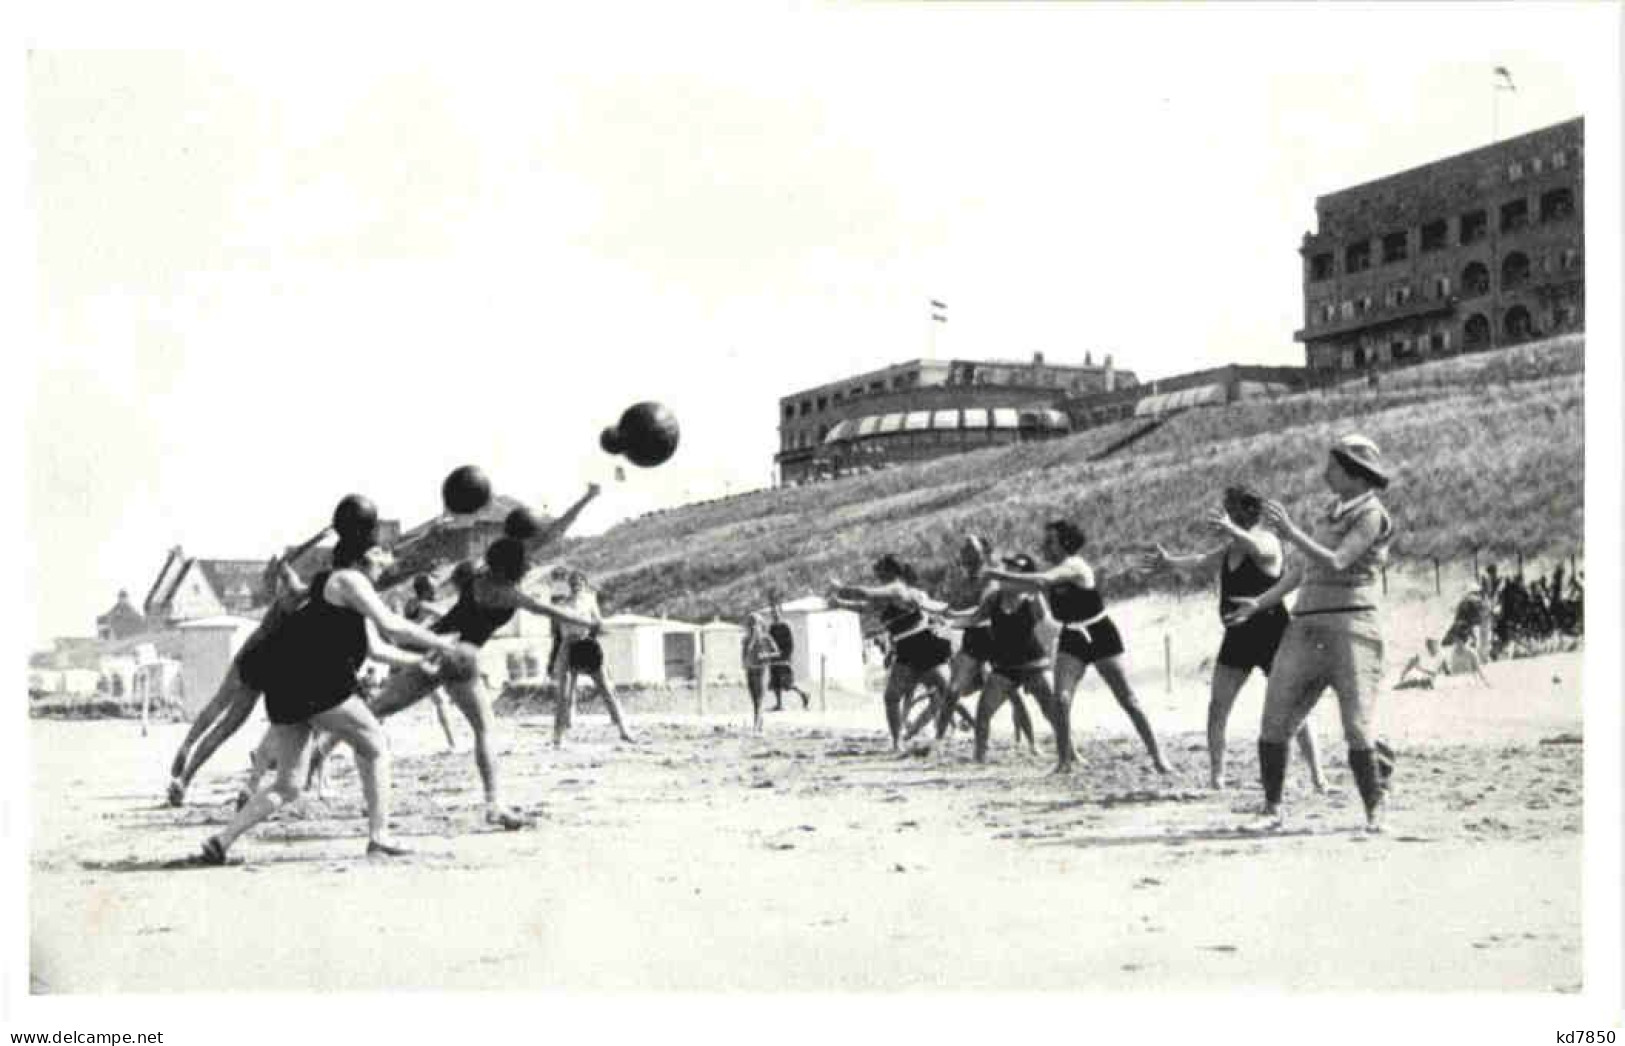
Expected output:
(389, 654)
(1073, 570)
(557, 528)
(891, 590)
(525, 601)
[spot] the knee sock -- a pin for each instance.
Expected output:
(1365, 777)
(1272, 756)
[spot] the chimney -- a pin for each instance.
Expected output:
(1038, 359)
(1088, 358)
(1111, 378)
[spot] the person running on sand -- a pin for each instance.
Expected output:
(1249, 562)
(1335, 638)
(309, 675)
(583, 656)
(1088, 637)
(920, 654)
(234, 699)
(1018, 657)
(757, 654)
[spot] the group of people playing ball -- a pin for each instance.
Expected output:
(307, 651)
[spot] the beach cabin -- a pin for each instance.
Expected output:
(720, 646)
(206, 649)
(649, 651)
(829, 635)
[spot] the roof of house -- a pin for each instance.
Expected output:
(236, 582)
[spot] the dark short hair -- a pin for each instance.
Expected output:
(506, 558)
(890, 566)
(1245, 498)
(1067, 534)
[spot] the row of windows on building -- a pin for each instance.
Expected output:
(1516, 271)
(1555, 205)
(819, 404)
(963, 374)
(1516, 325)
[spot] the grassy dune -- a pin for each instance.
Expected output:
(1488, 451)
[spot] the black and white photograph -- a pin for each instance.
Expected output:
(981, 511)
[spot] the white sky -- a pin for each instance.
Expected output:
(266, 278)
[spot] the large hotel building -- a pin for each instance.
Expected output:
(927, 408)
(1472, 252)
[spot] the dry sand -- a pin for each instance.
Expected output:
(811, 858)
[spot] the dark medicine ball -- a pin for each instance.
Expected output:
(521, 524)
(466, 490)
(648, 434)
(355, 516)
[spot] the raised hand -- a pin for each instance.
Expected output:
(1152, 560)
(1277, 518)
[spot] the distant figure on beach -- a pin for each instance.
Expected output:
(1459, 658)
(757, 654)
(781, 674)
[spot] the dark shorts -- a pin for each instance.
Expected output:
(781, 675)
(977, 643)
(1104, 641)
(924, 651)
(286, 707)
(586, 656)
(1253, 645)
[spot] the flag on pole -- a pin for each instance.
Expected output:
(939, 311)
(1503, 79)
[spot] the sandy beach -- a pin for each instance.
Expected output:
(811, 858)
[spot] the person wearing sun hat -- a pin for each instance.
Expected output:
(1335, 638)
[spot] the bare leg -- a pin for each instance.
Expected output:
(565, 706)
(993, 695)
(445, 721)
(753, 684)
(1069, 673)
(290, 744)
(1222, 691)
(354, 724)
(1111, 670)
(962, 676)
(1024, 721)
(470, 697)
(231, 706)
(600, 679)
(403, 689)
(900, 684)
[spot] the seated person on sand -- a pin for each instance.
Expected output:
(1423, 670)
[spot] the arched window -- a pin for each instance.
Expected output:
(1518, 324)
(1475, 333)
